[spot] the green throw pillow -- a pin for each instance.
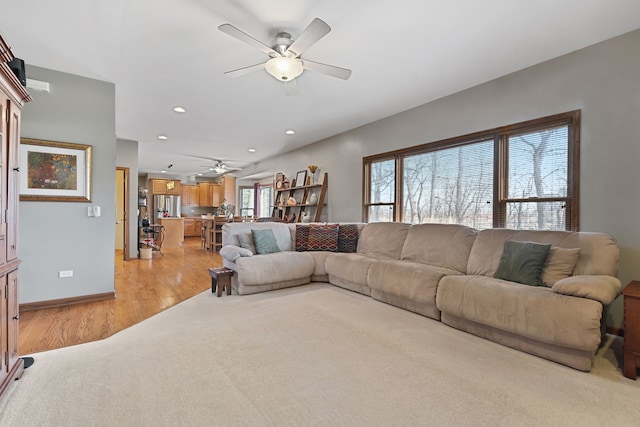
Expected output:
(265, 241)
(522, 262)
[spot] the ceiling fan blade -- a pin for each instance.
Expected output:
(246, 38)
(291, 87)
(245, 70)
(330, 70)
(314, 32)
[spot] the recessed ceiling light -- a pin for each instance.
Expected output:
(162, 137)
(290, 132)
(163, 171)
(179, 109)
(251, 150)
(199, 174)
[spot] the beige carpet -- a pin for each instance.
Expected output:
(312, 355)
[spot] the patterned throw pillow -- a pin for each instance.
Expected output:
(323, 237)
(347, 238)
(302, 237)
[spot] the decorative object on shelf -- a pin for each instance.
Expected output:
(278, 181)
(301, 178)
(306, 216)
(55, 171)
(315, 172)
(291, 201)
(313, 199)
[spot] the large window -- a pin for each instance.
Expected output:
(520, 176)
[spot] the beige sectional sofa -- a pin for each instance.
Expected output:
(446, 272)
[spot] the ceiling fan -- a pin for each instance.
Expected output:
(285, 62)
(220, 168)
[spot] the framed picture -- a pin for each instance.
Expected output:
(54, 171)
(301, 178)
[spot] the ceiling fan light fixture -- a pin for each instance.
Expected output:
(283, 68)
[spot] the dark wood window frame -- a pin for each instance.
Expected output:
(500, 136)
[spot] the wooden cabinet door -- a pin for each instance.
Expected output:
(185, 195)
(4, 171)
(173, 187)
(203, 194)
(188, 226)
(4, 329)
(159, 186)
(13, 189)
(215, 194)
(229, 190)
(12, 317)
(194, 195)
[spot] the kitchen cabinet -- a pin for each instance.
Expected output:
(209, 194)
(192, 227)
(165, 186)
(12, 97)
(190, 196)
(229, 190)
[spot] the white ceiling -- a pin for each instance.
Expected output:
(403, 53)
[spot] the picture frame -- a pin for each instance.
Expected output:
(53, 171)
(301, 178)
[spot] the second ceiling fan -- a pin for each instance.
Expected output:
(285, 62)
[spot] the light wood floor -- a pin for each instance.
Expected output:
(143, 288)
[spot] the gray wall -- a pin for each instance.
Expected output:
(127, 157)
(602, 80)
(57, 236)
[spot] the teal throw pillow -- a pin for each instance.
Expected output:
(265, 241)
(522, 262)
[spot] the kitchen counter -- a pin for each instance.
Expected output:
(173, 231)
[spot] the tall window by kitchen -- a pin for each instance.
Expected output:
(522, 176)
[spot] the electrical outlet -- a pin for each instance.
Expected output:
(66, 273)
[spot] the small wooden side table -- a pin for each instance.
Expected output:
(221, 278)
(631, 345)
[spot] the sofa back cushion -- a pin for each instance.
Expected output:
(383, 239)
(598, 252)
(441, 245)
(281, 231)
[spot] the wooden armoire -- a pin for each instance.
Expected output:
(12, 97)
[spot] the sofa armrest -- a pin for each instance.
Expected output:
(233, 252)
(600, 288)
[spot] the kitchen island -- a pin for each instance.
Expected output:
(173, 231)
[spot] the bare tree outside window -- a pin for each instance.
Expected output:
(382, 191)
(521, 176)
(538, 170)
(453, 186)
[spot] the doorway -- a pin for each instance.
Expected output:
(122, 213)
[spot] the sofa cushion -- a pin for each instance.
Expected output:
(347, 238)
(284, 233)
(522, 262)
(265, 241)
(274, 268)
(323, 237)
(442, 245)
(352, 268)
(245, 241)
(407, 280)
(600, 288)
(383, 239)
(233, 252)
(535, 312)
(559, 265)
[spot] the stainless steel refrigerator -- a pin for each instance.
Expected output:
(166, 206)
